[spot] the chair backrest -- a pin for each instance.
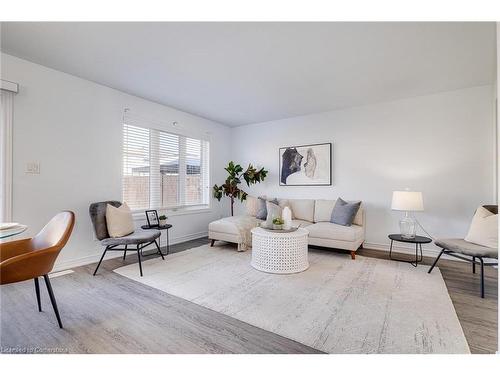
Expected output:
(492, 208)
(97, 213)
(36, 256)
(55, 233)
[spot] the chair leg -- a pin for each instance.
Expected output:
(139, 257)
(125, 252)
(473, 264)
(159, 250)
(37, 291)
(52, 299)
(482, 276)
(435, 262)
(98, 264)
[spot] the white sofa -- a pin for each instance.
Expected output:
(313, 215)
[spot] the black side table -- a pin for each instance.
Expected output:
(418, 241)
(160, 228)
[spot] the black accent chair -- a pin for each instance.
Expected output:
(140, 238)
(469, 252)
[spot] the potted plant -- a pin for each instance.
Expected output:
(162, 220)
(278, 223)
(235, 173)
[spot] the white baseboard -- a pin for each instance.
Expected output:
(89, 259)
(400, 247)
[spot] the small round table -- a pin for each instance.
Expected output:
(418, 241)
(160, 228)
(281, 253)
(12, 231)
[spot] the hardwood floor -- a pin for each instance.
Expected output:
(109, 313)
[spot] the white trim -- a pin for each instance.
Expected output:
(94, 258)
(405, 249)
(398, 247)
(60, 273)
(6, 131)
(140, 215)
(9, 86)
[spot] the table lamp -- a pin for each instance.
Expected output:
(407, 201)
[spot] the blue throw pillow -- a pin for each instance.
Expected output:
(344, 212)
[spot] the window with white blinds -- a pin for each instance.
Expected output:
(164, 170)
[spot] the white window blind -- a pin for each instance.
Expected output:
(164, 170)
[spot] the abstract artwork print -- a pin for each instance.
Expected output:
(306, 165)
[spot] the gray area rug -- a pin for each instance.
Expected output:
(337, 305)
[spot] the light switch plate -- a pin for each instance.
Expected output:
(33, 167)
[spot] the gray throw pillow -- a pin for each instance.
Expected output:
(261, 209)
(344, 212)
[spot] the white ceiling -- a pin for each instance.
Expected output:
(241, 73)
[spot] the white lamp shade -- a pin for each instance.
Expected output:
(407, 201)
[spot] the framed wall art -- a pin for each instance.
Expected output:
(306, 165)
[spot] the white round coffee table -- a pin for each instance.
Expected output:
(279, 252)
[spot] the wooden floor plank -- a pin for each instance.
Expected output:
(109, 313)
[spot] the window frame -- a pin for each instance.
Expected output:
(139, 213)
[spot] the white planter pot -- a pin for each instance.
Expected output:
(163, 222)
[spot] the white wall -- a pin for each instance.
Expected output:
(442, 145)
(73, 127)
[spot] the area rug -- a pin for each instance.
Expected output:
(338, 305)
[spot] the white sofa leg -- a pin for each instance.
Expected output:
(353, 254)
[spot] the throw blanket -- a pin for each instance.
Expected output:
(244, 224)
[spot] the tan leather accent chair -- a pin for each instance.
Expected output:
(34, 257)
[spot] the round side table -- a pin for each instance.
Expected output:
(13, 231)
(418, 241)
(160, 228)
(281, 253)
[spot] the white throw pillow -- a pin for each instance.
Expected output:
(252, 205)
(119, 220)
(483, 229)
(273, 210)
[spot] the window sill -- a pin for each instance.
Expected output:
(140, 215)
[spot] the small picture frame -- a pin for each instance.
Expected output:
(152, 218)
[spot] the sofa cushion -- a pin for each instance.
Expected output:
(140, 236)
(358, 219)
(223, 226)
(302, 223)
(344, 212)
(323, 210)
(335, 232)
(226, 226)
(252, 205)
(302, 209)
(461, 246)
(483, 229)
(119, 220)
